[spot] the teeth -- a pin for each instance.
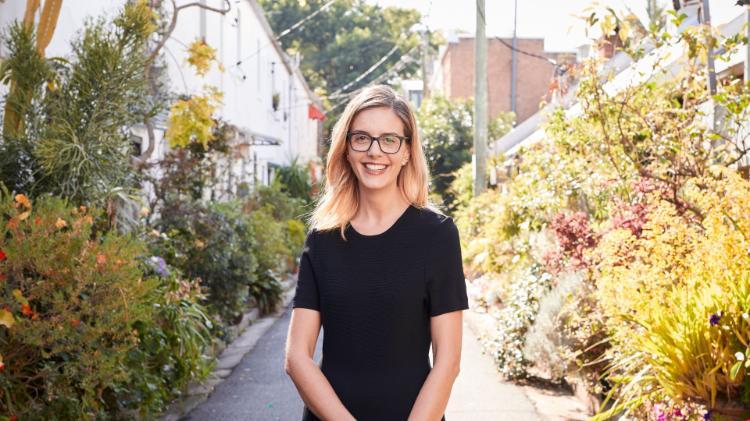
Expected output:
(374, 166)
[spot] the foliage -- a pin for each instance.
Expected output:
(272, 252)
(171, 348)
(281, 205)
(670, 302)
(72, 302)
(345, 26)
(634, 187)
(200, 56)
(448, 138)
(76, 143)
(191, 119)
(516, 318)
(210, 242)
(295, 180)
(545, 338)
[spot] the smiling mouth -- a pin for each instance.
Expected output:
(374, 169)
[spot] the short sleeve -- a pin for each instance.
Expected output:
(306, 294)
(446, 284)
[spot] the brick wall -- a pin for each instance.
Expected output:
(532, 81)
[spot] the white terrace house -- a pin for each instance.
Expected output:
(628, 73)
(275, 115)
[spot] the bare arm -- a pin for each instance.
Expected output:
(446, 330)
(312, 385)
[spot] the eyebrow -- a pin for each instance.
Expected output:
(368, 133)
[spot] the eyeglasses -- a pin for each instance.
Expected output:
(388, 143)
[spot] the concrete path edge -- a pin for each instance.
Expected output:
(249, 331)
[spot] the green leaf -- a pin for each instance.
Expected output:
(735, 370)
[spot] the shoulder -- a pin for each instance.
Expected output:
(438, 226)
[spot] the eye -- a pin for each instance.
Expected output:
(391, 139)
(361, 138)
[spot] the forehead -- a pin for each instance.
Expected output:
(377, 121)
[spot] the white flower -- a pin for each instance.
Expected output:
(740, 356)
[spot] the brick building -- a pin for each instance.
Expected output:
(454, 73)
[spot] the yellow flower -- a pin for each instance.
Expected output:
(60, 223)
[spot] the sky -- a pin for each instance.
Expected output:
(553, 20)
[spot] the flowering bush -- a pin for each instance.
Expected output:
(515, 319)
(636, 190)
(72, 299)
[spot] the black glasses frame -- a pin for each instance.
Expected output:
(373, 139)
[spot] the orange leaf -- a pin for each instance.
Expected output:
(23, 200)
(75, 322)
(26, 310)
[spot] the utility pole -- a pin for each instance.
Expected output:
(747, 45)
(425, 53)
(514, 60)
(480, 101)
(710, 54)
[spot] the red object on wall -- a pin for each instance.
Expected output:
(314, 113)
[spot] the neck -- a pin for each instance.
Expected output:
(382, 203)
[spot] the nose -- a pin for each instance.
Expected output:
(375, 151)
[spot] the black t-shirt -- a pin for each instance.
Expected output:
(375, 295)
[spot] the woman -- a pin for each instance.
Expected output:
(381, 273)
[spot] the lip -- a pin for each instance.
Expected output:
(374, 172)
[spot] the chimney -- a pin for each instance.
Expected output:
(609, 44)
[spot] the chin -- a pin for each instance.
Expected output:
(371, 184)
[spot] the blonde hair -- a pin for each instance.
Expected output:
(340, 199)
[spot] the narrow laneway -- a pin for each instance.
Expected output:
(258, 388)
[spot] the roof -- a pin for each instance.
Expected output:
(628, 74)
(285, 59)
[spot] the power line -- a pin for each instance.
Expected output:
(547, 59)
(287, 31)
(368, 71)
(395, 68)
(303, 20)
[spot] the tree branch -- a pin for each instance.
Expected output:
(155, 53)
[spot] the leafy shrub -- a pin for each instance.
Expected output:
(72, 300)
(281, 205)
(171, 347)
(295, 180)
(516, 318)
(680, 316)
(272, 253)
(74, 140)
(545, 341)
(212, 243)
